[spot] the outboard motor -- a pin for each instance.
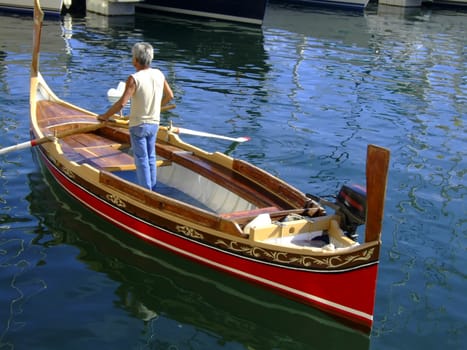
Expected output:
(350, 206)
(351, 203)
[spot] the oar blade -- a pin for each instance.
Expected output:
(377, 166)
(243, 139)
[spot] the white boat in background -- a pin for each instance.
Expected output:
(50, 7)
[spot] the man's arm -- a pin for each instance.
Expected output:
(167, 94)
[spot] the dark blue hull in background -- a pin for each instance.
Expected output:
(246, 11)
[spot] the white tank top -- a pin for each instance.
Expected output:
(146, 101)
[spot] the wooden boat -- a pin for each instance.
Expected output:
(219, 211)
(244, 11)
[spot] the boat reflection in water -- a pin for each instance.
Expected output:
(158, 287)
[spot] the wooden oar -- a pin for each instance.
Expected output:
(377, 165)
(177, 130)
(51, 138)
(167, 107)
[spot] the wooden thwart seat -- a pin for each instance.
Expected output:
(107, 158)
(97, 151)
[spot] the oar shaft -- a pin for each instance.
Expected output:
(35, 142)
(17, 147)
(166, 108)
(206, 134)
(26, 144)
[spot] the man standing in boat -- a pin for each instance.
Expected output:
(148, 90)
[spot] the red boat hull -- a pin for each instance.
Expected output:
(348, 294)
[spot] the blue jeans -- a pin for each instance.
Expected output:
(143, 142)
